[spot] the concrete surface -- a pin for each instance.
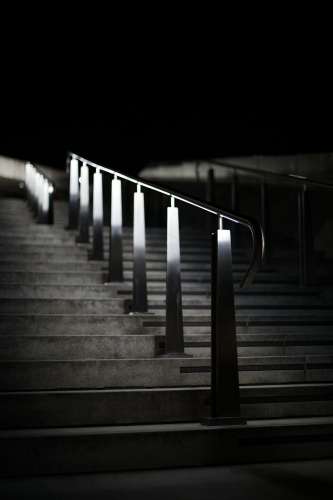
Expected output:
(299, 480)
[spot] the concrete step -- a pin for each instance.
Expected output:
(158, 372)
(116, 345)
(117, 407)
(63, 306)
(33, 277)
(88, 449)
(102, 291)
(125, 324)
(101, 277)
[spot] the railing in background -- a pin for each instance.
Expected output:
(39, 190)
(225, 385)
(305, 232)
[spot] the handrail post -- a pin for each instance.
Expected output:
(74, 194)
(306, 246)
(174, 334)
(31, 179)
(98, 252)
(140, 301)
(35, 197)
(84, 204)
(116, 234)
(225, 401)
(26, 180)
(236, 229)
(40, 183)
(43, 219)
(266, 223)
(210, 196)
(50, 219)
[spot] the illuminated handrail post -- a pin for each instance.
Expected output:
(305, 233)
(174, 334)
(140, 301)
(35, 196)
(74, 195)
(39, 197)
(225, 401)
(26, 181)
(210, 196)
(44, 212)
(116, 234)
(98, 251)
(266, 223)
(84, 204)
(50, 219)
(236, 229)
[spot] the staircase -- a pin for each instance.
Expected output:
(83, 386)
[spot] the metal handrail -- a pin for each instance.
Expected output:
(42, 173)
(299, 179)
(251, 223)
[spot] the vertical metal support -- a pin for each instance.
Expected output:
(210, 196)
(84, 204)
(26, 180)
(306, 243)
(225, 402)
(174, 334)
(35, 197)
(236, 228)
(116, 234)
(51, 199)
(74, 195)
(30, 185)
(44, 213)
(40, 183)
(98, 253)
(140, 301)
(266, 223)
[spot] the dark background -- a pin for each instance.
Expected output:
(126, 124)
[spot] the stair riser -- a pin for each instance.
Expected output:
(60, 306)
(47, 375)
(77, 278)
(124, 324)
(80, 347)
(77, 452)
(29, 410)
(127, 347)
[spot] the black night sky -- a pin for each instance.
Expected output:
(126, 125)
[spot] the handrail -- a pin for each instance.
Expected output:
(284, 177)
(251, 223)
(42, 173)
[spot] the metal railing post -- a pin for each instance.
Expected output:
(210, 196)
(84, 204)
(266, 223)
(40, 198)
(98, 252)
(174, 334)
(225, 402)
(74, 194)
(306, 244)
(35, 195)
(236, 229)
(116, 234)
(51, 208)
(26, 180)
(140, 301)
(43, 218)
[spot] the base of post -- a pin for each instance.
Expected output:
(223, 421)
(109, 283)
(176, 355)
